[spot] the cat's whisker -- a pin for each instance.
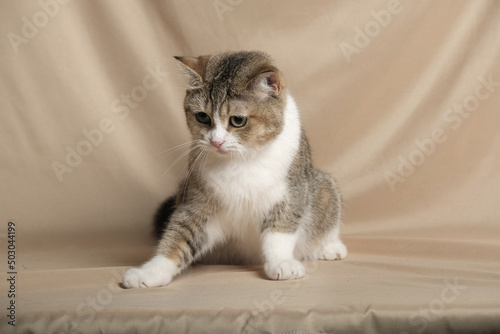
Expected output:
(179, 159)
(191, 168)
(191, 159)
(175, 148)
(242, 157)
(203, 163)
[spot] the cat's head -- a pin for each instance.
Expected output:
(235, 101)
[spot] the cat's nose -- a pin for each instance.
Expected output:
(217, 144)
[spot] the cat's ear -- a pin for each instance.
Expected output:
(266, 84)
(194, 68)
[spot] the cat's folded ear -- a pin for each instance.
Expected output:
(194, 68)
(266, 84)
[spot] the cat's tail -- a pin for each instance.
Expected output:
(162, 216)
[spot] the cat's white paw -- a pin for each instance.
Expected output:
(334, 250)
(288, 269)
(158, 271)
(140, 278)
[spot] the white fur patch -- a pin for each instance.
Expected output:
(288, 269)
(218, 133)
(278, 246)
(278, 251)
(158, 271)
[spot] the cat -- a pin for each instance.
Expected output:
(252, 195)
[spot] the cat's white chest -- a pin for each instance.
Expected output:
(249, 186)
(245, 195)
(246, 191)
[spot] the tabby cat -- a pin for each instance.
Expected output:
(252, 195)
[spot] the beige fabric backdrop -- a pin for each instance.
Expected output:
(400, 100)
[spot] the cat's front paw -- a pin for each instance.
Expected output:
(159, 271)
(140, 278)
(288, 269)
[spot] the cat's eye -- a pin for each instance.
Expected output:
(203, 117)
(238, 121)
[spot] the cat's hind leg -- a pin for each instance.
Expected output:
(326, 219)
(332, 248)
